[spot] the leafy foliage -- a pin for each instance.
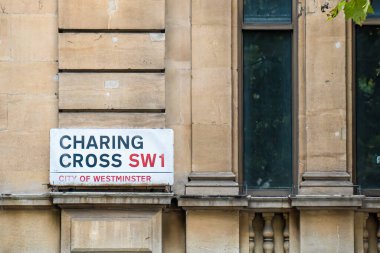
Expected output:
(356, 10)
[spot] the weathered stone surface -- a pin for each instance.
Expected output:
(178, 86)
(178, 44)
(211, 46)
(3, 112)
(24, 147)
(21, 233)
(112, 120)
(28, 6)
(211, 86)
(174, 232)
(178, 96)
(91, 230)
(325, 101)
(329, 146)
(28, 38)
(182, 157)
(106, 198)
(36, 113)
(24, 161)
(327, 231)
(28, 77)
(178, 13)
(211, 147)
(112, 14)
(211, 89)
(212, 231)
(111, 51)
(112, 91)
(211, 12)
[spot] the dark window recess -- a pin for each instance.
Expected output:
(267, 109)
(264, 11)
(368, 106)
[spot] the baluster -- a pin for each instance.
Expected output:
(251, 234)
(286, 233)
(365, 233)
(268, 233)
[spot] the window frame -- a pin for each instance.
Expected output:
(375, 21)
(293, 27)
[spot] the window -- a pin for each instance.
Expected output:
(367, 99)
(268, 42)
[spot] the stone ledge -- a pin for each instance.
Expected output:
(212, 184)
(212, 176)
(111, 198)
(326, 176)
(269, 202)
(20, 201)
(370, 203)
(212, 202)
(327, 201)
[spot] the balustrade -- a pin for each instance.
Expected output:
(269, 232)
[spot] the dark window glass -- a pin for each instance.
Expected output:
(376, 7)
(368, 106)
(267, 11)
(267, 109)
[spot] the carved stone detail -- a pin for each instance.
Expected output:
(268, 233)
(251, 234)
(286, 232)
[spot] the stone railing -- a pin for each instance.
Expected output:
(268, 232)
(370, 233)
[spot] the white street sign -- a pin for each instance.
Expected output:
(111, 157)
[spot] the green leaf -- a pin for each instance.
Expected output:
(336, 10)
(356, 10)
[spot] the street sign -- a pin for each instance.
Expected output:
(111, 157)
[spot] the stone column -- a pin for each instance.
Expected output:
(325, 104)
(211, 99)
(178, 86)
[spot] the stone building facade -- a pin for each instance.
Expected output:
(180, 65)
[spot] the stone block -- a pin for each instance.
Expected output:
(21, 233)
(174, 232)
(220, 231)
(29, 6)
(182, 157)
(326, 141)
(178, 96)
(211, 89)
(178, 46)
(332, 227)
(32, 113)
(112, 14)
(28, 78)
(112, 91)
(116, 231)
(211, 12)
(327, 75)
(28, 38)
(211, 148)
(211, 46)
(5, 38)
(3, 112)
(111, 120)
(111, 51)
(178, 13)
(24, 161)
